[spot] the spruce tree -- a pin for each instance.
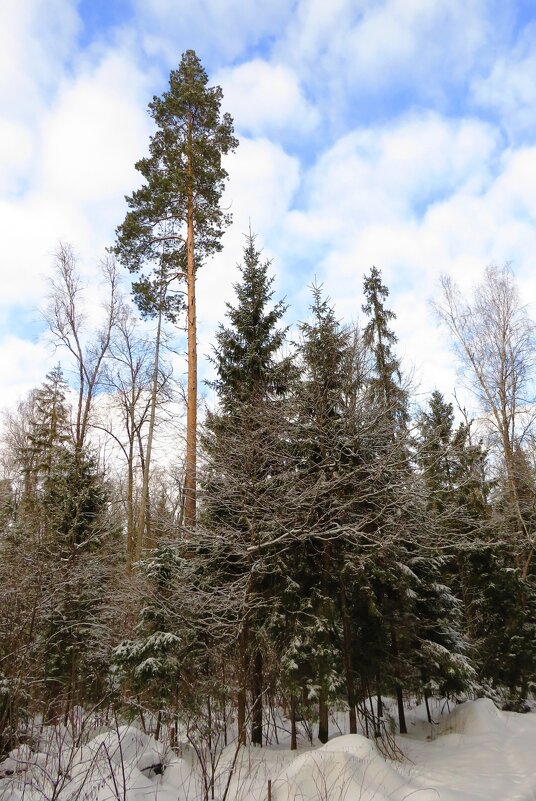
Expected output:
(246, 355)
(391, 401)
(380, 338)
(242, 445)
(320, 433)
(435, 450)
(49, 426)
(175, 220)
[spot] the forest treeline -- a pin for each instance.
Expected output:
(322, 541)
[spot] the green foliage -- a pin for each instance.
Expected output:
(378, 336)
(246, 352)
(182, 173)
(151, 663)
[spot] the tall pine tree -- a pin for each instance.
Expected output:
(175, 220)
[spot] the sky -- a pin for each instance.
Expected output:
(394, 133)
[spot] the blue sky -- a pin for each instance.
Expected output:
(400, 133)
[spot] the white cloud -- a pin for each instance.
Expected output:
(84, 146)
(392, 173)
(366, 45)
(23, 367)
(263, 181)
(510, 86)
(425, 196)
(36, 38)
(266, 98)
(16, 149)
(95, 132)
(66, 159)
(219, 30)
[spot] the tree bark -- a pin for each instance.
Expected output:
(323, 717)
(191, 413)
(130, 505)
(347, 660)
(401, 713)
(379, 705)
(293, 733)
(428, 713)
(398, 686)
(256, 688)
(241, 695)
(144, 500)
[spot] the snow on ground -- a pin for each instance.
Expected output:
(472, 753)
(479, 754)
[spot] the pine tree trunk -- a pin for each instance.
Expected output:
(256, 688)
(323, 712)
(347, 660)
(364, 707)
(323, 717)
(191, 413)
(401, 712)
(293, 732)
(241, 714)
(70, 695)
(398, 686)
(428, 713)
(379, 706)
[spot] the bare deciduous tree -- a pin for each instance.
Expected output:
(67, 323)
(495, 339)
(140, 382)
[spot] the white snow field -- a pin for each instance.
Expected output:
(473, 753)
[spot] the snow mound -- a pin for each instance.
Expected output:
(474, 718)
(345, 769)
(355, 744)
(127, 745)
(18, 760)
(120, 763)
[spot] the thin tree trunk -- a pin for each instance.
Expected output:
(347, 660)
(398, 686)
(323, 717)
(428, 713)
(375, 722)
(256, 688)
(364, 696)
(191, 413)
(274, 718)
(241, 695)
(401, 713)
(130, 504)
(144, 500)
(293, 732)
(149, 535)
(241, 714)
(379, 706)
(323, 711)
